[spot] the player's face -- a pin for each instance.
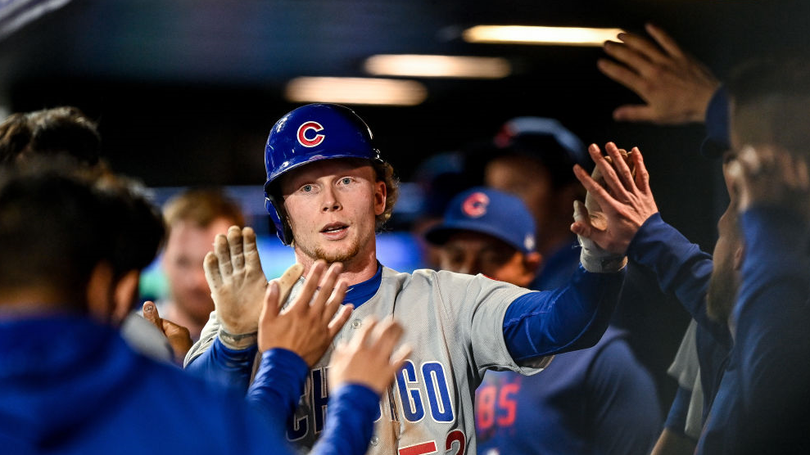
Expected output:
(527, 180)
(331, 207)
(183, 264)
(473, 253)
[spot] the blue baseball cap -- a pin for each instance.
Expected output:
(490, 212)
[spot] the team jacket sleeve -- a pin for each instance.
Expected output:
(278, 384)
(681, 268)
(771, 317)
(274, 395)
(573, 317)
(227, 367)
(349, 421)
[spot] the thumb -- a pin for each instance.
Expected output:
(150, 313)
(582, 221)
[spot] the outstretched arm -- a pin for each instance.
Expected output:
(675, 87)
(297, 336)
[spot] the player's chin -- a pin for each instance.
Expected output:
(337, 253)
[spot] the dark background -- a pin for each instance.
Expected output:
(186, 91)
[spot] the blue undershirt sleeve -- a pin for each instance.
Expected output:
(676, 419)
(681, 268)
(573, 317)
(350, 421)
(227, 367)
(278, 385)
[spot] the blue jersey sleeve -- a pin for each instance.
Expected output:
(278, 384)
(681, 268)
(227, 367)
(350, 421)
(676, 419)
(573, 317)
(717, 124)
(771, 318)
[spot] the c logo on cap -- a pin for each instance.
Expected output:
(475, 206)
(302, 134)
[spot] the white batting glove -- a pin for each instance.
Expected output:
(593, 257)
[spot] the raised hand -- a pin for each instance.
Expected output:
(675, 86)
(308, 325)
(238, 284)
(178, 336)
(369, 359)
(625, 201)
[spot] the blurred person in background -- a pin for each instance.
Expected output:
(193, 219)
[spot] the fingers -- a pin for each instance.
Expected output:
(343, 315)
(335, 301)
(235, 244)
(251, 254)
(619, 161)
(582, 224)
(287, 280)
(309, 288)
(271, 306)
(600, 195)
(150, 313)
(620, 74)
(642, 177)
(212, 272)
(665, 41)
(365, 333)
(222, 250)
(386, 335)
(634, 60)
(634, 113)
(645, 48)
(612, 180)
(326, 288)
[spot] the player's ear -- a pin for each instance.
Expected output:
(124, 295)
(99, 288)
(380, 197)
(532, 262)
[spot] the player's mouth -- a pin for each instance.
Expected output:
(335, 230)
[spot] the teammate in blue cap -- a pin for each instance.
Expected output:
(596, 400)
(327, 191)
(490, 232)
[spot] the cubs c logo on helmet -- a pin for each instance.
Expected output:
(475, 206)
(303, 133)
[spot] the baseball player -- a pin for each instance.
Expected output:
(327, 191)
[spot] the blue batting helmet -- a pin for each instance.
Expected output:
(307, 134)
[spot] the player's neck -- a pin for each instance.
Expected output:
(360, 268)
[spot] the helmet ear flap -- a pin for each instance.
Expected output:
(283, 231)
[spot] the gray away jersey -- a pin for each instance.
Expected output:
(454, 323)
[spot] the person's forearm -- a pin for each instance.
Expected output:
(573, 317)
(230, 368)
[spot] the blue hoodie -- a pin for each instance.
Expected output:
(70, 385)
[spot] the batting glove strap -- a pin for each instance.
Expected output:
(596, 260)
(238, 341)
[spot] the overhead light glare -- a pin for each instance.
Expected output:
(413, 65)
(355, 90)
(520, 34)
